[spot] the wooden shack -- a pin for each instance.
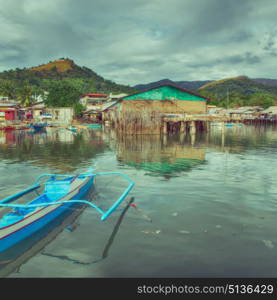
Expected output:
(8, 112)
(142, 112)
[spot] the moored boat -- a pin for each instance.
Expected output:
(38, 126)
(7, 128)
(93, 125)
(60, 194)
(73, 129)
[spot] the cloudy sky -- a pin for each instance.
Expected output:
(139, 41)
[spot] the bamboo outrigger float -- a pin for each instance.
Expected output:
(60, 193)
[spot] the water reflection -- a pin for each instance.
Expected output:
(106, 250)
(65, 151)
(222, 195)
(166, 156)
(159, 155)
(57, 148)
(170, 155)
(12, 259)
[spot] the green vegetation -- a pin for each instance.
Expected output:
(64, 93)
(240, 91)
(64, 80)
(70, 155)
(22, 92)
(61, 77)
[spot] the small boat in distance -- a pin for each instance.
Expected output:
(73, 129)
(38, 126)
(58, 194)
(233, 124)
(93, 125)
(8, 128)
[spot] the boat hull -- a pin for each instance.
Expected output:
(19, 234)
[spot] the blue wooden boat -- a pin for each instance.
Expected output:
(38, 126)
(59, 193)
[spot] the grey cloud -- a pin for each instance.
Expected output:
(241, 36)
(12, 54)
(141, 39)
(217, 15)
(247, 57)
(270, 42)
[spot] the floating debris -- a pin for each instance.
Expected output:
(141, 212)
(184, 231)
(268, 244)
(151, 232)
(175, 214)
(218, 226)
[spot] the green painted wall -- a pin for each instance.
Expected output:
(164, 93)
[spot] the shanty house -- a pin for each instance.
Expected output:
(8, 112)
(98, 115)
(269, 113)
(93, 101)
(244, 112)
(167, 98)
(142, 112)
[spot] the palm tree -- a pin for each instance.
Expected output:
(7, 88)
(24, 95)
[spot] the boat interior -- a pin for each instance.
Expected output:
(53, 191)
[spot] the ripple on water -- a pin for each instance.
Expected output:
(213, 218)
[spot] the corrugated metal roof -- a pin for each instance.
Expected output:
(103, 108)
(270, 110)
(95, 95)
(7, 104)
(170, 85)
(108, 105)
(7, 109)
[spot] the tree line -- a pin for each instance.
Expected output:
(55, 93)
(235, 99)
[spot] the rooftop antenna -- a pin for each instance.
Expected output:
(227, 98)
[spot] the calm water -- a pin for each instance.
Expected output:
(206, 205)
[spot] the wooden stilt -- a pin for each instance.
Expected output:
(164, 127)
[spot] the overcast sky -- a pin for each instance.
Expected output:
(139, 41)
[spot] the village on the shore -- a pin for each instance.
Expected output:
(165, 108)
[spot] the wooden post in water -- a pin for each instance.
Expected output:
(223, 136)
(164, 139)
(182, 131)
(182, 127)
(192, 131)
(192, 138)
(164, 127)
(208, 126)
(192, 127)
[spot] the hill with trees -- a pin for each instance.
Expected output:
(22, 84)
(239, 91)
(63, 77)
